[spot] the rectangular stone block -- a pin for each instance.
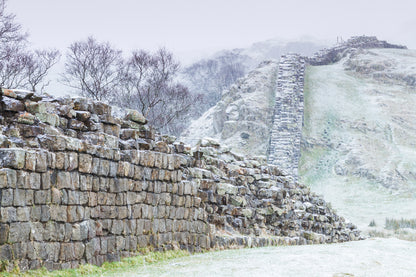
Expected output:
(23, 214)
(8, 178)
(75, 213)
(12, 158)
(58, 213)
(8, 214)
(6, 197)
(30, 161)
(19, 198)
(104, 167)
(63, 180)
(51, 160)
(46, 179)
(41, 161)
(61, 160)
(34, 180)
(85, 163)
(42, 197)
(72, 161)
(19, 232)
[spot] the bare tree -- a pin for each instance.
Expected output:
(210, 77)
(148, 85)
(38, 67)
(19, 67)
(10, 31)
(13, 68)
(92, 68)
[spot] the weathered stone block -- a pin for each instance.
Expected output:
(85, 163)
(59, 213)
(12, 158)
(8, 178)
(30, 161)
(34, 180)
(104, 167)
(19, 232)
(23, 214)
(63, 180)
(225, 188)
(51, 119)
(75, 213)
(135, 116)
(72, 161)
(92, 248)
(19, 198)
(13, 105)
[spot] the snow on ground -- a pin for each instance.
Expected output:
(361, 136)
(372, 257)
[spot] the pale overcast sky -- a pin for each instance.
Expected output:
(193, 28)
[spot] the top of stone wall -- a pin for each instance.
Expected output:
(334, 54)
(32, 120)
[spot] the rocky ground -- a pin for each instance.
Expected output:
(242, 119)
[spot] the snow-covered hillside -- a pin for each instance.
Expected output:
(359, 134)
(242, 118)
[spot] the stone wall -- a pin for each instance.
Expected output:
(79, 184)
(334, 54)
(284, 150)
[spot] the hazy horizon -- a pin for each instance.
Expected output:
(195, 29)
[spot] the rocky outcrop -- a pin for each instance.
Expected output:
(81, 185)
(242, 119)
(284, 150)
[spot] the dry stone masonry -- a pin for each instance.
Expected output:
(285, 137)
(336, 53)
(79, 184)
(284, 150)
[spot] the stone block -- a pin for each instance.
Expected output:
(59, 213)
(85, 182)
(8, 178)
(42, 197)
(135, 116)
(12, 105)
(63, 180)
(23, 179)
(104, 167)
(23, 214)
(48, 118)
(19, 232)
(45, 213)
(75, 213)
(19, 198)
(72, 161)
(34, 180)
(225, 188)
(41, 161)
(6, 197)
(85, 163)
(46, 180)
(12, 158)
(30, 161)
(92, 248)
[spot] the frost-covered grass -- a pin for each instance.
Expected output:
(107, 269)
(371, 257)
(362, 135)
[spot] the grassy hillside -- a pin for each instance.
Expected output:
(359, 135)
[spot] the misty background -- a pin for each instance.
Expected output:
(196, 29)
